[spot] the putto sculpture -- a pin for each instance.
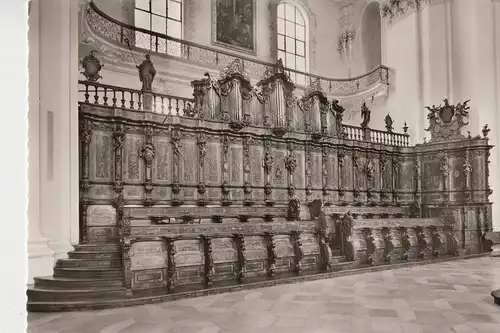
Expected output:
(446, 121)
(147, 73)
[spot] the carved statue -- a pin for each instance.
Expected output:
(291, 163)
(147, 73)
(388, 123)
(91, 67)
(365, 114)
(293, 209)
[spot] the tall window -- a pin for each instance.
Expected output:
(292, 40)
(163, 17)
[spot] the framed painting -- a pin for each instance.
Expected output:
(233, 24)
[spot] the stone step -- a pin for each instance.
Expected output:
(94, 255)
(67, 295)
(98, 247)
(336, 253)
(51, 282)
(85, 263)
(88, 273)
(338, 259)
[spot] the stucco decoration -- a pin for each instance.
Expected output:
(311, 27)
(346, 40)
(392, 9)
(192, 9)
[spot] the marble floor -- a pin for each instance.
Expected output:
(438, 298)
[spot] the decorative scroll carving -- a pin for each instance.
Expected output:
(273, 255)
(345, 41)
(176, 156)
(392, 9)
(242, 261)
(148, 152)
(91, 67)
(299, 251)
(346, 225)
(118, 139)
(85, 139)
(446, 122)
(202, 152)
(171, 263)
(209, 260)
(291, 162)
(293, 209)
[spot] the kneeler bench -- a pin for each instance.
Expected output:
(379, 241)
(175, 253)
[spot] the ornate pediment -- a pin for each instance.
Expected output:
(446, 121)
(235, 69)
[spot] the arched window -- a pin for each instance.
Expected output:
(292, 40)
(161, 16)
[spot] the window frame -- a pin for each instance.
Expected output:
(283, 37)
(164, 16)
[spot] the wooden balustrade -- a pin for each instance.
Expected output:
(120, 97)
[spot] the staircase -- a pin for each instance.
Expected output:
(91, 272)
(92, 278)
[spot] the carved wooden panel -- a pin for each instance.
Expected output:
(148, 279)
(189, 163)
(235, 154)
(101, 166)
(256, 168)
(133, 192)
(161, 193)
(103, 234)
(98, 191)
(189, 253)
(212, 168)
(148, 255)
(133, 170)
(162, 165)
(101, 215)
(316, 170)
(224, 250)
(406, 173)
(431, 175)
(478, 170)
(279, 171)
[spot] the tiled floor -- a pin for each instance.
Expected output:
(438, 298)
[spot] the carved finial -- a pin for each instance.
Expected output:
(388, 123)
(91, 67)
(486, 130)
(405, 128)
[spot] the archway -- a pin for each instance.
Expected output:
(371, 36)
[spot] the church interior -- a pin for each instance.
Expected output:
(264, 166)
